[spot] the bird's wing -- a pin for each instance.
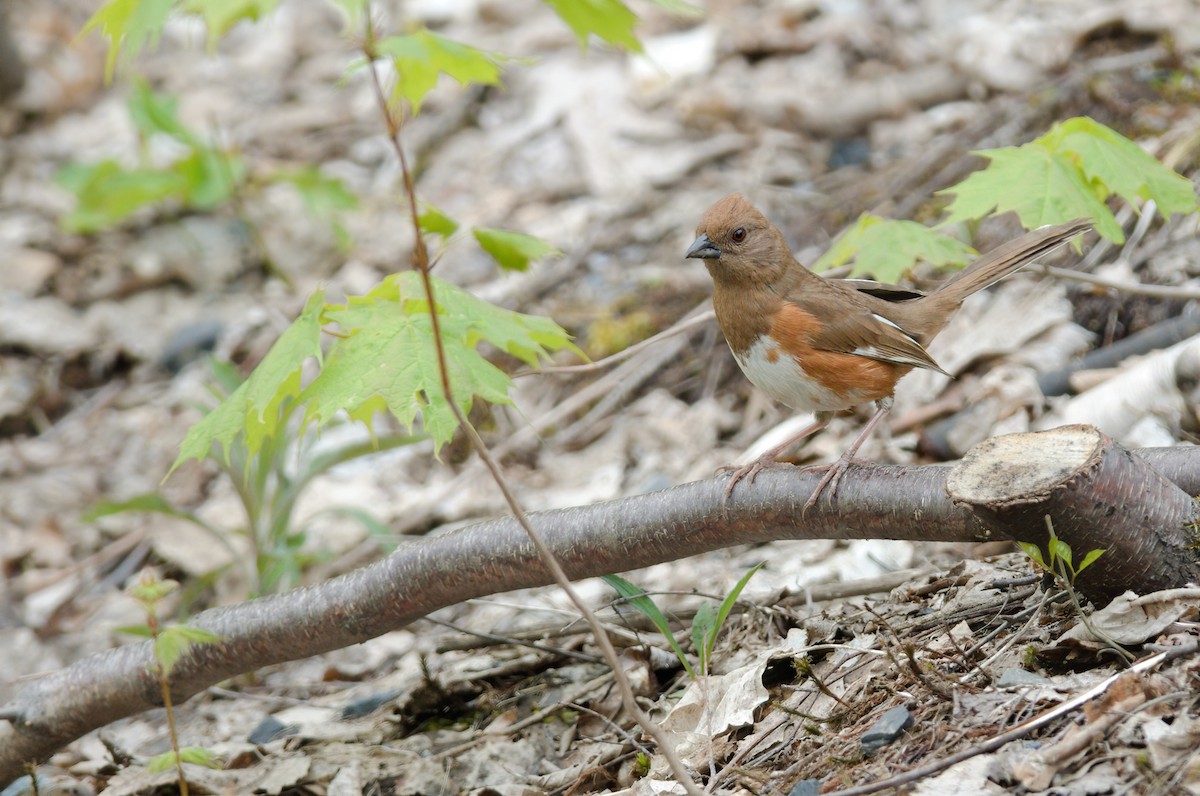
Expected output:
(880, 290)
(851, 327)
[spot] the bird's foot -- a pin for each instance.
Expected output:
(748, 472)
(829, 483)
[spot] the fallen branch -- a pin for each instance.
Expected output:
(875, 502)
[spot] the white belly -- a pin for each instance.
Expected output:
(780, 376)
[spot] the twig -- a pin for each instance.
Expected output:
(1020, 730)
(685, 324)
(421, 258)
(1136, 289)
(616, 727)
(516, 642)
(534, 718)
(640, 623)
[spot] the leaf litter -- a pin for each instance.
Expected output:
(612, 168)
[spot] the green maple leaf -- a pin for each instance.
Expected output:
(1122, 166)
(529, 338)
(221, 15)
(1067, 173)
(513, 251)
(385, 359)
(887, 249)
(610, 20)
(420, 57)
(1040, 186)
(129, 23)
(253, 409)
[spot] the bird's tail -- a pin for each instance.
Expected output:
(1003, 260)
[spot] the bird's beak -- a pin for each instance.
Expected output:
(703, 249)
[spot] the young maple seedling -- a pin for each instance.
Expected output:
(1059, 562)
(170, 644)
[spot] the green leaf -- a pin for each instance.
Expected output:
(149, 592)
(324, 197)
(196, 635)
(221, 15)
(174, 641)
(136, 630)
(168, 649)
(610, 20)
(161, 762)
(420, 57)
(680, 8)
(529, 338)
(209, 177)
(434, 222)
(636, 597)
(156, 113)
(129, 23)
(513, 251)
(1123, 167)
(1070, 172)
(1034, 552)
(151, 501)
(106, 193)
(887, 249)
(1090, 559)
(1059, 551)
(1040, 186)
(254, 407)
(198, 755)
(731, 598)
(385, 357)
(704, 634)
(225, 375)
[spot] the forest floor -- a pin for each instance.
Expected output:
(818, 112)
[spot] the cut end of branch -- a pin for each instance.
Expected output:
(1022, 466)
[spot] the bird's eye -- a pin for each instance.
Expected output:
(739, 234)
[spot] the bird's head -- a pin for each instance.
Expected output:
(738, 244)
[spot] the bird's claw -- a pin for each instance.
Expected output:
(746, 472)
(833, 476)
(827, 485)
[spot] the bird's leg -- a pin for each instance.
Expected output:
(768, 459)
(834, 471)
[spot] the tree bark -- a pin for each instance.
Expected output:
(1096, 494)
(873, 502)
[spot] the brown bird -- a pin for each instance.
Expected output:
(826, 345)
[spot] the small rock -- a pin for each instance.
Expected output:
(806, 787)
(44, 326)
(268, 730)
(27, 271)
(887, 729)
(1019, 677)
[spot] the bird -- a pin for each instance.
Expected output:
(825, 345)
